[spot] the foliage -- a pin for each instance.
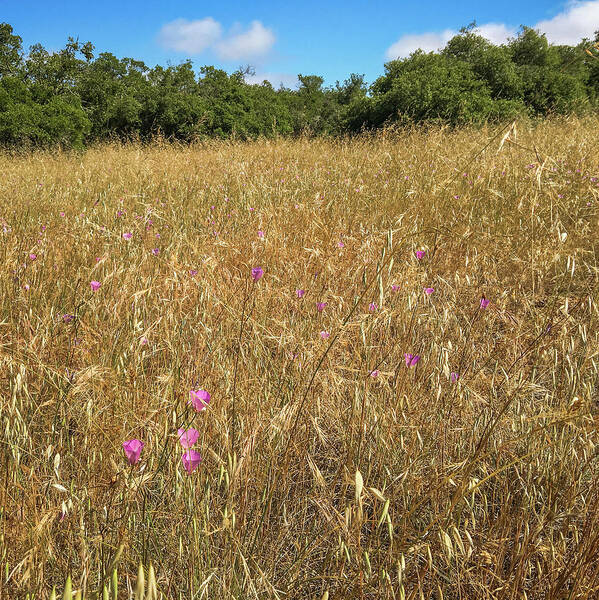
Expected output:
(471, 81)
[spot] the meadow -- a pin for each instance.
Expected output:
(383, 349)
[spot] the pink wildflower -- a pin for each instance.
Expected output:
(95, 285)
(199, 399)
(191, 460)
(411, 359)
(188, 437)
(133, 450)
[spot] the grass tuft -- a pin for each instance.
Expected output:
(332, 466)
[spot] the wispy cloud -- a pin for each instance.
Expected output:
(578, 20)
(201, 35)
(192, 37)
(254, 42)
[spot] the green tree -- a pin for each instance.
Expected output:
(433, 87)
(552, 81)
(11, 51)
(489, 63)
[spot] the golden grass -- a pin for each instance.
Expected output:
(317, 478)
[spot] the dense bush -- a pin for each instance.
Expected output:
(72, 97)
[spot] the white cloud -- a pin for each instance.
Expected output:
(579, 20)
(429, 42)
(576, 21)
(276, 79)
(256, 41)
(195, 37)
(192, 37)
(497, 33)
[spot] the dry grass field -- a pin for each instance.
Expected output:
(333, 466)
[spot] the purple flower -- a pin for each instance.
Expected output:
(325, 335)
(420, 254)
(428, 291)
(127, 235)
(320, 306)
(374, 373)
(193, 272)
(67, 318)
(260, 234)
(133, 450)
(484, 302)
(33, 256)
(395, 288)
(95, 285)
(411, 359)
(199, 399)
(454, 376)
(300, 293)
(188, 437)
(156, 251)
(372, 307)
(191, 460)
(257, 273)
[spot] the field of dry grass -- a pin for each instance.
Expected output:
(330, 468)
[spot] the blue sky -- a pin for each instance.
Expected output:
(281, 39)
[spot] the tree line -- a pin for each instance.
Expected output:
(73, 97)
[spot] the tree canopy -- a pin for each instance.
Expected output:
(73, 96)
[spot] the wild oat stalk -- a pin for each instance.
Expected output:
(333, 466)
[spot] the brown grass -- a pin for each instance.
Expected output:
(316, 477)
